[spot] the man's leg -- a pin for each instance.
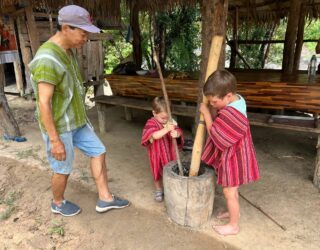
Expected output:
(106, 200)
(58, 185)
(88, 142)
(99, 173)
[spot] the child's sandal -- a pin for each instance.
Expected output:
(158, 196)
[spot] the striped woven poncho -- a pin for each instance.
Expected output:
(160, 151)
(229, 149)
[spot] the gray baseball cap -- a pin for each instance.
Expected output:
(78, 17)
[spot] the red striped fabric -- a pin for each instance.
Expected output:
(229, 149)
(160, 151)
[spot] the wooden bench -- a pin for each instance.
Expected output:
(264, 95)
(102, 102)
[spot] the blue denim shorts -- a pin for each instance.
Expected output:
(83, 138)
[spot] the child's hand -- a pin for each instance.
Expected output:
(175, 134)
(204, 109)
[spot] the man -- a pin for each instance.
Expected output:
(57, 84)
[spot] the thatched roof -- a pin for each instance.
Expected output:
(253, 11)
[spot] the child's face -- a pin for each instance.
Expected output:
(161, 117)
(219, 103)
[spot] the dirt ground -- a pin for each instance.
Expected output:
(285, 192)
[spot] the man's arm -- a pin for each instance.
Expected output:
(318, 47)
(45, 98)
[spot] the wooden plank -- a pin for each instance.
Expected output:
(316, 176)
(26, 56)
(18, 76)
(265, 95)
(190, 111)
(143, 104)
(32, 30)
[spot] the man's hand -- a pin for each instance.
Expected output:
(57, 150)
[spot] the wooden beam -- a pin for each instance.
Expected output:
(136, 35)
(26, 55)
(235, 38)
(300, 35)
(270, 41)
(7, 121)
(32, 30)
(291, 37)
(316, 176)
(18, 76)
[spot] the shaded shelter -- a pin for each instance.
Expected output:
(34, 22)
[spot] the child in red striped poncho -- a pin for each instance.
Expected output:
(157, 138)
(229, 148)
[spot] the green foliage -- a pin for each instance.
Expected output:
(116, 50)
(312, 31)
(10, 206)
(57, 228)
(251, 52)
(182, 38)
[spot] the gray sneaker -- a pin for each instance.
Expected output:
(103, 206)
(66, 208)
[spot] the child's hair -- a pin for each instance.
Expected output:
(159, 105)
(220, 83)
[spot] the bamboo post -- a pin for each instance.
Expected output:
(165, 94)
(213, 61)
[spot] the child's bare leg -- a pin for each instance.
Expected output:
(158, 184)
(223, 215)
(158, 194)
(232, 198)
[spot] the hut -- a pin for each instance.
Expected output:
(33, 22)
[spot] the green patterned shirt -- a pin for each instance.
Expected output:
(53, 66)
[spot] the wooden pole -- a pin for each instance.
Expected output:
(213, 61)
(316, 176)
(165, 94)
(32, 30)
(291, 36)
(7, 121)
(136, 35)
(235, 38)
(300, 35)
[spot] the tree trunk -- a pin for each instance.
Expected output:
(264, 49)
(7, 121)
(300, 36)
(291, 37)
(136, 42)
(220, 16)
(213, 23)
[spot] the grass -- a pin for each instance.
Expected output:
(32, 152)
(84, 175)
(9, 201)
(57, 228)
